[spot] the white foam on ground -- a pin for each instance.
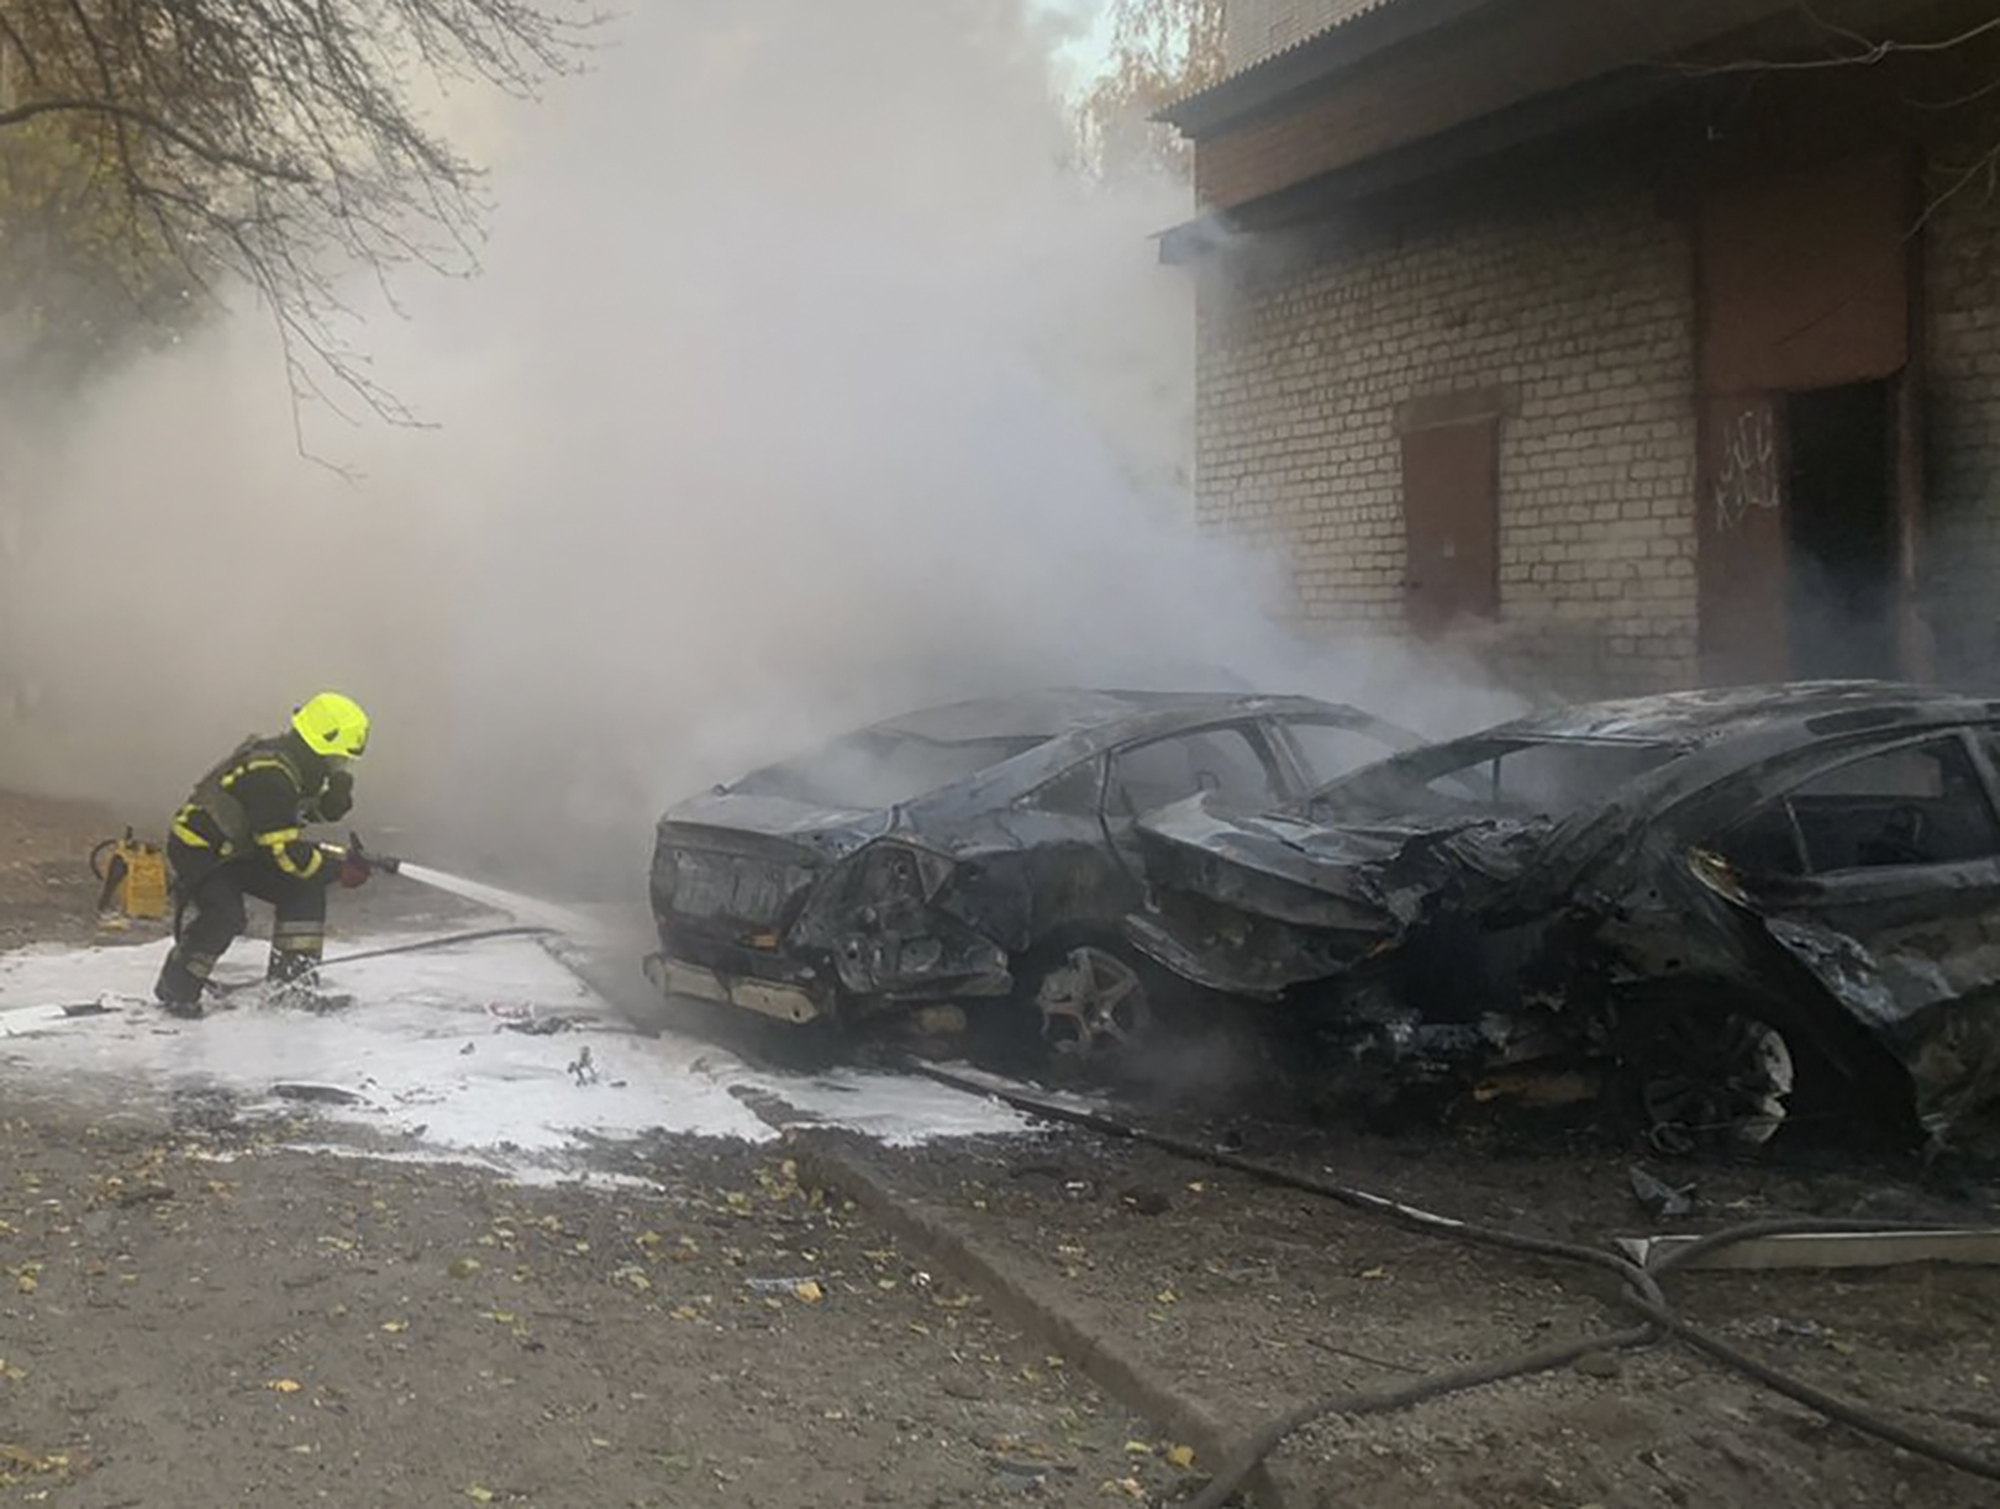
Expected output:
(426, 1048)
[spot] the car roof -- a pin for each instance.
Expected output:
(1707, 716)
(1051, 712)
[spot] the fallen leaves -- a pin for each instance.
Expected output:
(17, 1463)
(284, 1385)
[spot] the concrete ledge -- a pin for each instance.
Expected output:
(841, 1163)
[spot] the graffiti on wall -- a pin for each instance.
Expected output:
(1747, 477)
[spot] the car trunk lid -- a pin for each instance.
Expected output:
(746, 863)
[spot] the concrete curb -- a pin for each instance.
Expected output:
(841, 1164)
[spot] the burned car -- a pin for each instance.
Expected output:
(969, 861)
(1727, 908)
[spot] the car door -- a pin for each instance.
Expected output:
(1880, 874)
(1231, 760)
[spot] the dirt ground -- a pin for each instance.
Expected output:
(47, 893)
(1255, 1298)
(193, 1315)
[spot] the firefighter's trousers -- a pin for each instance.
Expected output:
(213, 916)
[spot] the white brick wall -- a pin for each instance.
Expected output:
(1254, 29)
(1961, 565)
(1585, 314)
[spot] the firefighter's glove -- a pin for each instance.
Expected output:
(354, 871)
(337, 800)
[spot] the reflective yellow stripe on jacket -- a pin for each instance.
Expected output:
(279, 842)
(264, 764)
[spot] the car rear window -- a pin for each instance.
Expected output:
(873, 769)
(1504, 777)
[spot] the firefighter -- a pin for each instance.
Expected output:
(242, 833)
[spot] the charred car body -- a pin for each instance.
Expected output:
(1717, 896)
(977, 853)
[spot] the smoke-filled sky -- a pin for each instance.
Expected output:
(802, 384)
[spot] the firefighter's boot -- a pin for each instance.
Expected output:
(293, 977)
(182, 979)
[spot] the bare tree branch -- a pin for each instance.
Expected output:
(1865, 53)
(220, 157)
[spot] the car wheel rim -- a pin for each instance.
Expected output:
(1092, 1005)
(1715, 1080)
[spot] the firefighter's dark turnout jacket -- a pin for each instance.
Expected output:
(261, 798)
(242, 832)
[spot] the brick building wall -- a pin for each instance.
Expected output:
(1254, 29)
(1582, 311)
(1961, 563)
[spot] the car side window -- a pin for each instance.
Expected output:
(1330, 750)
(1222, 760)
(1073, 793)
(1921, 804)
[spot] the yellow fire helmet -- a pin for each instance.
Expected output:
(332, 725)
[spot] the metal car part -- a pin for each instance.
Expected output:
(785, 1003)
(1708, 1078)
(1092, 1004)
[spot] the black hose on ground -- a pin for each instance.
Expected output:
(1641, 1292)
(1404, 1396)
(420, 945)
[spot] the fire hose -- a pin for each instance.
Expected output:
(1641, 1293)
(415, 946)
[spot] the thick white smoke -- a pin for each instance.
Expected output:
(804, 384)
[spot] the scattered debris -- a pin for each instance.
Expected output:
(1662, 1199)
(786, 1285)
(316, 1094)
(540, 1026)
(1776, 1326)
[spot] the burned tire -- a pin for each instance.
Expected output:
(1706, 1077)
(1093, 1010)
(1080, 1010)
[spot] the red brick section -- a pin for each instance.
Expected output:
(1454, 76)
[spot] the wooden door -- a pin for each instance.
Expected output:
(1451, 522)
